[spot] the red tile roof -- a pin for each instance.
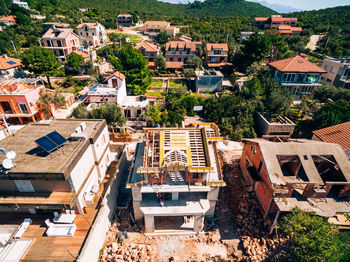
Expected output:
(182, 45)
(339, 134)
(157, 23)
(89, 25)
(117, 74)
(9, 62)
(261, 19)
(224, 47)
(296, 64)
(148, 47)
(10, 18)
(174, 65)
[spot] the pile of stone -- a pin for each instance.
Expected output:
(118, 252)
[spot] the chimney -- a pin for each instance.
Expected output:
(5, 56)
(81, 21)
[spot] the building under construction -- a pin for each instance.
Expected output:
(175, 177)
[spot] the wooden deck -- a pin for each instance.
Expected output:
(45, 248)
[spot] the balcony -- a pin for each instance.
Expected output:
(345, 79)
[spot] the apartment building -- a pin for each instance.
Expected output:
(285, 25)
(92, 34)
(125, 20)
(175, 177)
(338, 72)
(311, 175)
(20, 3)
(8, 20)
(298, 74)
(46, 26)
(216, 55)
(62, 41)
(180, 51)
(18, 100)
(59, 175)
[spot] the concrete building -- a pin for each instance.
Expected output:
(338, 72)
(62, 41)
(297, 74)
(270, 127)
(18, 100)
(180, 51)
(9, 67)
(311, 175)
(338, 134)
(20, 3)
(66, 177)
(92, 34)
(155, 27)
(176, 176)
(208, 80)
(113, 90)
(149, 51)
(125, 20)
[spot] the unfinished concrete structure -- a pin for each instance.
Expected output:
(311, 175)
(270, 126)
(175, 177)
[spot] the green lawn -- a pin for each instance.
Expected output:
(157, 83)
(159, 95)
(133, 38)
(176, 83)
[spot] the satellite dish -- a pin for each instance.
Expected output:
(11, 155)
(7, 163)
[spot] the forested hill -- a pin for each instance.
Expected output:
(153, 9)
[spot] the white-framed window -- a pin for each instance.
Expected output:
(23, 107)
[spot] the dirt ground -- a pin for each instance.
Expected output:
(237, 232)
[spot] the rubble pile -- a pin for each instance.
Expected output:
(119, 252)
(255, 244)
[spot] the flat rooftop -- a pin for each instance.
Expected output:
(308, 153)
(276, 119)
(31, 159)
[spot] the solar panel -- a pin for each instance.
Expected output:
(57, 138)
(51, 141)
(11, 62)
(47, 144)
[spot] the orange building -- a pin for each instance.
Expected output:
(18, 100)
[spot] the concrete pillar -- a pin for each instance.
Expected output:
(136, 193)
(198, 223)
(211, 210)
(138, 214)
(149, 224)
(33, 119)
(213, 194)
(175, 196)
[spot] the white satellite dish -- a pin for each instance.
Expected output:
(11, 155)
(7, 163)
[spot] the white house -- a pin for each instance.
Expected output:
(92, 34)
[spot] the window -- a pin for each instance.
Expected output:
(138, 112)
(217, 52)
(171, 59)
(180, 51)
(212, 59)
(179, 59)
(23, 108)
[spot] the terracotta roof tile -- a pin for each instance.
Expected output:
(339, 134)
(157, 23)
(8, 18)
(148, 47)
(9, 62)
(182, 44)
(296, 64)
(117, 74)
(224, 47)
(174, 65)
(90, 25)
(58, 33)
(127, 15)
(261, 19)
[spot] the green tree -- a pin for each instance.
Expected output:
(312, 238)
(153, 114)
(46, 101)
(332, 113)
(80, 112)
(194, 62)
(132, 63)
(41, 61)
(75, 62)
(161, 63)
(188, 73)
(162, 38)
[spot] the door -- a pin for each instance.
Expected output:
(24, 186)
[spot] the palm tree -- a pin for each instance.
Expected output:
(47, 100)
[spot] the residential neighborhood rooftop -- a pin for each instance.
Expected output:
(9, 62)
(339, 134)
(296, 64)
